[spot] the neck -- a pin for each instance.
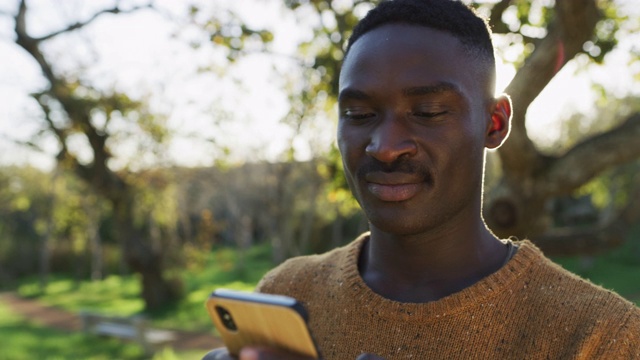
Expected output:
(429, 266)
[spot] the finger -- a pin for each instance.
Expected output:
(261, 353)
(369, 357)
(218, 354)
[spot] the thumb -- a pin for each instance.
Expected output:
(367, 356)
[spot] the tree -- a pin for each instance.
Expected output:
(553, 35)
(73, 109)
(530, 179)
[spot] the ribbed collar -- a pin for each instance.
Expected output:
(481, 293)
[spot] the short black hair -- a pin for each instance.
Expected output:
(450, 16)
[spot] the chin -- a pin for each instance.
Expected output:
(408, 223)
(398, 225)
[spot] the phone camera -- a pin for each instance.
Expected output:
(226, 318)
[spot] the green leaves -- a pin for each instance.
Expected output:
(226, 30)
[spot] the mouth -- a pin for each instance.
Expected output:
(393, 187)
(394, 193)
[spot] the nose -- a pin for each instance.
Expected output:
(390, 140)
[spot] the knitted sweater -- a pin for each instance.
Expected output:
(529, 309)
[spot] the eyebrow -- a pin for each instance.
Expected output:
(441, 87)
(352, 94)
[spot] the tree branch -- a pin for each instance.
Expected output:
(495, 19)
(29, 44)
(573, 25)
(27, 143)
(46, 110)
(78, 25)
(592, 156)
(87, 173)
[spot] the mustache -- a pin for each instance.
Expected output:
(401, 165)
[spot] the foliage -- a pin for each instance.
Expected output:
(25, 201)
(523, 23)
(228, 31)
(613, 189)
(55, 207)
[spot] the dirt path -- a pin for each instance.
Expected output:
(67, 321)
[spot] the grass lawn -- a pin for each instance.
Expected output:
(25, 339)
(119, 295)
(22, 338)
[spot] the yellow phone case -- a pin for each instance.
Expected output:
(260, 319)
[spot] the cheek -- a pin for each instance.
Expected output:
(465, 154)
(350, 144)
(342, 140)
(346, 148)
(472, 151)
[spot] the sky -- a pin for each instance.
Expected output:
(240, 107)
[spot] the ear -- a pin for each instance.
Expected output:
(500, 124)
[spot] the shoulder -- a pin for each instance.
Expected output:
(551, 279)
(553, 290)
(565, 308)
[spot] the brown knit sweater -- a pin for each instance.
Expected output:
(529, 309)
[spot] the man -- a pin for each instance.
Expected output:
(430, 281)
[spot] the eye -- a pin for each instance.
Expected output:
(428, 114)
(357, 114)
(429, 110)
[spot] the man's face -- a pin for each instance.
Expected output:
(412, 127)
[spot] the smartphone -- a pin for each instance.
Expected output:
(245, 318)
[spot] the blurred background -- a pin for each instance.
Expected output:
(151, 151)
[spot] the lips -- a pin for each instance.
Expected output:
(394, 187)
(394, 193)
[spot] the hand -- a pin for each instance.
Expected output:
(262, 353)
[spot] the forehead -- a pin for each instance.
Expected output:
(402, 55)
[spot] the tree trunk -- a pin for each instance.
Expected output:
(96, 256)
(45, 255)
(92, 212)
(516, 209)
(45, 246)
(143, 259)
